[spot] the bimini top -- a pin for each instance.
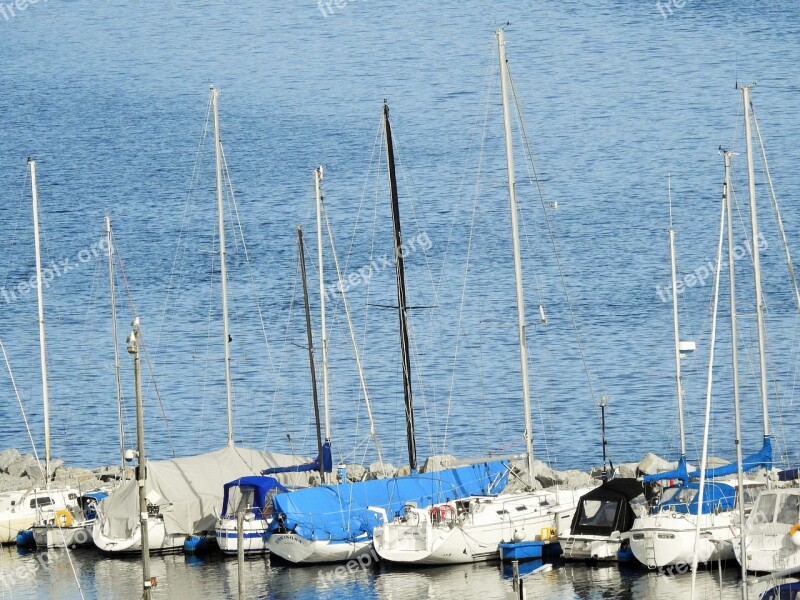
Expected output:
(259, 488)
(607, 508)
(683, 498)
(340, 512)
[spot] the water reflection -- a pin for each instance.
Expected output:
(34, 576)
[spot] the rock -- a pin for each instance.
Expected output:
(9, 483)
(627, 470)
(576, 479)
(7, 457)
(379, 470)
(544, 474)
(356, 473)
(34, 471)
(438, 462)
(403, 471)
(652, 464)
(712, 462)
(20, 466)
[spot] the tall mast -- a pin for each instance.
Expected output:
(401, 294)
(512, 196)
(310, 338)
(322, 325)
(223, 268)
(118, 380)
(735, 360)
(676, 329)
(42, 339)
(751, 181)
(134, 341)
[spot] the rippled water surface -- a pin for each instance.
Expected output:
(111, 100)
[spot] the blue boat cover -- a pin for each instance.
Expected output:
(762, 458)
(784, 591)
(716, 497)
(327, 464)
(339, 512)
(679, 473)
(789, 474)
(260, 485)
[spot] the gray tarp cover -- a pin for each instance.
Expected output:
(189, 490)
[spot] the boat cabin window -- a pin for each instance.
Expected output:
(764, 512)
(789, 511)
(598, 513)
(41, 501)
(72, 496)
(242, 497)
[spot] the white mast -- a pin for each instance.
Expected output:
(110, 243)
(42, 340)
(324, 333)
(361, 378)
(709, 391)
(751, 180)
(223, 269)
(676, 329)
(735, 359)
(512, 195)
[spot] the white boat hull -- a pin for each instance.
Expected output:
(299, 550)
(158, 539)
(476, 527)
(21, 515)
(253, 533)
(769, 545)
(590, 547)
(667, 539)
(49, 536)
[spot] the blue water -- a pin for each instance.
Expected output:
(111, 100)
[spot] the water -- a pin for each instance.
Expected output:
(111, 100)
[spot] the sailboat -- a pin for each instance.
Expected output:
(19, 510)
(335, 523)
(602, 520)
(769, 540)
(470, 529)
(185, 494)
(693, 523)
(73, 527)
(253, 495)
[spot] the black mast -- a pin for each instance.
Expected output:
(311, 352)
(401, 294)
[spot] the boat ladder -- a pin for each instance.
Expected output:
(650, 552)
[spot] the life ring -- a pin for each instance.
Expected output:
(795, 528)
(442, 511)
(63, 518)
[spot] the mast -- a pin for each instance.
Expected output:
(709, 389)
(110, 243)
(141, 469)
(223, 268)
(401, 294)
(735, 360)
(676, 329)
(362, 380)
(42, 339)
(751, 181)
(512, 195)
(310, 337)
(322, 325)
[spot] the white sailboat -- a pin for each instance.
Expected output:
(19, 510)
(335, 523)
(696, 523)
(470, 529)
(185, 494)
(769, 540)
